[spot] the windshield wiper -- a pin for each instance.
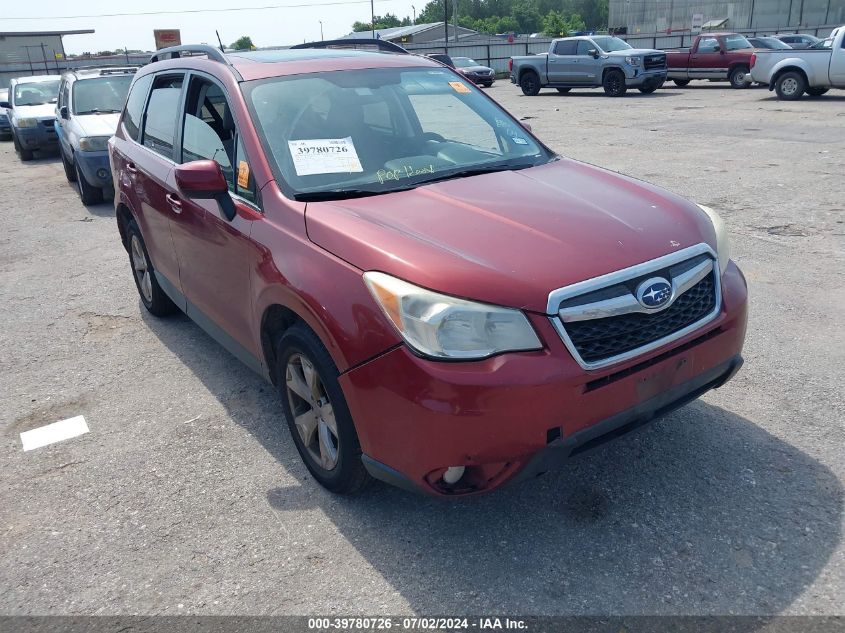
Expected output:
(340, 194)
(474, 171)
(98, 111)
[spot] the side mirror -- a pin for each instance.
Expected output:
(717, 49)
(204, 180)
(593, 53)
(5, 104)
(63, 112)
(526, 125)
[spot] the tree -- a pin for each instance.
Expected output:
(555, 25)
(243, 43)
(386, 21)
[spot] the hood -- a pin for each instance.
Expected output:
(98, 124)
(510, 238)
(43, 111)
(636, 52)
(473, 69)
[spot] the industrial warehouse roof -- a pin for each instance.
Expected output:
(397, 31)
(40, 33)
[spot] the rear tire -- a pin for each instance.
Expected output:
(530, 84)
(155, 300)
(563, 91)
(790, 86)
(317, 414)
(70, 172)
(739, 77)
(614, 83)
(816, 92)
(647, 90)
(681, 82)
(87, 192)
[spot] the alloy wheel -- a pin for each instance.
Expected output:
(313, 413)
(789, 86)
(142, 269)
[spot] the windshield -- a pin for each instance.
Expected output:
(363, 132)
(609, 44)
(828, 43)
(100, 94)
(773, 42)
(464, 62)
(36, 93)
(736, 42)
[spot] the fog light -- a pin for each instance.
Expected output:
(102, 173)
(453, 474)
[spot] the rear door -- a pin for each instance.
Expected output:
(562, 62)
(150, 167)
(215, 254)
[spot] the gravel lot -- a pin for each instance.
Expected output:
(188, 496)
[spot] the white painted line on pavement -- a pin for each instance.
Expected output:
(56, 432)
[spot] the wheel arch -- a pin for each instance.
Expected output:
(607, 69)
(123, 215)
(785, 68)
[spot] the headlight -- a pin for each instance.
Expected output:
(94, 143)
(723, 245)
(633, 61)
(441, 326)
(27, 122)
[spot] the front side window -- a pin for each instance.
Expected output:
(465, 62)
(162, 113)
(708, 45)
(584, 47)
(36, 93)
(363, 132)
(567, 47)
(100, 95)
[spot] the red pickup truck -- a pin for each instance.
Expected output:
(713, 56)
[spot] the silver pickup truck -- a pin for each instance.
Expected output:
(590, 62)
(813, 70)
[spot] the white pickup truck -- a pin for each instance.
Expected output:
(813, 70)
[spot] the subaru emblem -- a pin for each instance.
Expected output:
(654, 293)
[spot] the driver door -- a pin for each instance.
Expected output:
(589, 68)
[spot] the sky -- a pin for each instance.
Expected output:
(293, 22)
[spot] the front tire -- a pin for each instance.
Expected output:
(530, 84)
(563, 91)
(317, 414)
(647, 90)
(614, 83)
(25, 154)
(681, 82)
(739, 77)
(790, 86)
(87, 192)
(816, 92)
(70, 172)
(155, 300)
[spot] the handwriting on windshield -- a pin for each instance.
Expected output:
(407, 171)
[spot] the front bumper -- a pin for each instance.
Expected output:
(95, 167)
(5, 127)
(636, 77)
(481, 79)
(511, 416)
(35, 138)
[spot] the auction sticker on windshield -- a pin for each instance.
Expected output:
(324, 156)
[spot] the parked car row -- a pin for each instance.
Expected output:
(75, 113)
(612, 64)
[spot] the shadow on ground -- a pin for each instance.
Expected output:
(701, 513)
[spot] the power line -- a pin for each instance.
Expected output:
(262, 8)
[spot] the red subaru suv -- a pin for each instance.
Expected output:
(443, 302)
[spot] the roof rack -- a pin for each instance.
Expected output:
(174, 52)
(382, 45)
(106, 70)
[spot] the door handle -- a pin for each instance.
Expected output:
(130, 167)
(175, 203)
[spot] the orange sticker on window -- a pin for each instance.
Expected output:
(243, 174)
(459, 86)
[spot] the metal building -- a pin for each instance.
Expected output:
(32, 53)
(685, 16)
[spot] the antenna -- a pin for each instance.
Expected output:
(222, 48)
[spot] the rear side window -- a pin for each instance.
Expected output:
(162, 114)
(566, 48)
(135, 106)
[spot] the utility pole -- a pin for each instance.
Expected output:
(446, 24)
(373, 17)
(414, 9)
(44, 57)
(455, 19)
(321, 30)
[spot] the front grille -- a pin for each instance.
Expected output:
(48, 122)
(654, 62)
(599, 339)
